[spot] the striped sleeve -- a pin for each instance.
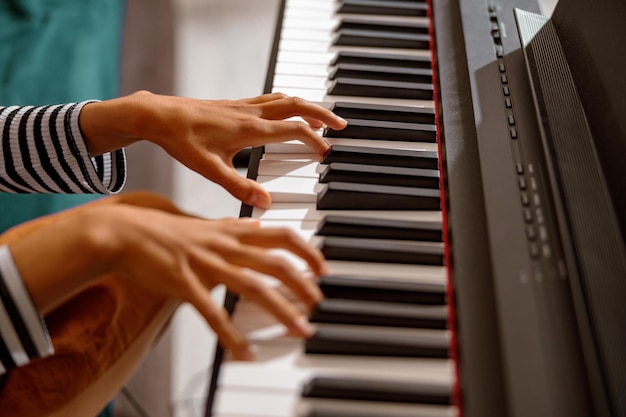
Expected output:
(44, 151)
(23, 333)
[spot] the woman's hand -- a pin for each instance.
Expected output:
(206, 135)
(171, 253)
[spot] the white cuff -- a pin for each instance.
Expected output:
(22, 329)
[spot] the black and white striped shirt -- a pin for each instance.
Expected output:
(42, 151)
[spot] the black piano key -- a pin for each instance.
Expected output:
(379, 72)
(380, 39)
(348, 196)
(384, 130)
(382, 89)
(382, 250)
(376, 313)
(384, 8)
(382, 157)
(374, 58)
(382, 289)
(367, 227)
(382, 175)
(321, 410)
(406, 114)
(365, 389)
(368, 341)
(382, 26)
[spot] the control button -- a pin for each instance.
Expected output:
(499, 51)
(539, 214)
(536, 199)
(519, 168)
(508, 103)
(501, 67)
(511, 119)
(513, 132)
(506, 90)
(531, 233)
(525, 199)
(543, 233)
(528, 215)
(533, 183)
(521, 182)
(504, 79)
(546, 251)
(531, 168)
(533, 249)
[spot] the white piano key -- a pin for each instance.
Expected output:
(325, 57)
(309, 212)
(285, 367)
(288, 147)
(321, 96)
(374, 409)
(312, 24)
(297, 147)
(250, 403)
(400, 272)
(319, 11)
(304, 34)
(290, 168)
(310, 5)
(300, 81)
(291, 189)
(298, 45)
(326, 17)
(246, 403)
(302, 157)
(301, 69)
(296, 57)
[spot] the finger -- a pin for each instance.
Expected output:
(284, 130)
(217, 318)
(286, 239)
(274, 302)
(265, 98)
(246, 190)
(296, 106)
(314, 123)
(255, 258)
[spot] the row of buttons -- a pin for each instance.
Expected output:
(536, 230)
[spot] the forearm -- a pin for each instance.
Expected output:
(60, 259)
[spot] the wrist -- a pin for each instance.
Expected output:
(113, 124)
(71, 252)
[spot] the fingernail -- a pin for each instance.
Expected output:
(245, 354)
(261, 200)
(249, 220)
(303, 326)
(344, 121)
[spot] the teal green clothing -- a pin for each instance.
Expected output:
(56, 51)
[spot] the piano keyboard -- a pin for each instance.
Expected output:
(382, 347)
